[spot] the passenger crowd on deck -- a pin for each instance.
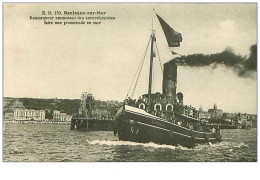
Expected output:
(169, 115)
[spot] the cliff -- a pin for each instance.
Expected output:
(68, 106)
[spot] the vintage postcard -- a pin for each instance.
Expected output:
(129, 82)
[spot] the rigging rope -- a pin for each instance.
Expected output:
(158, 56)
(140, 65)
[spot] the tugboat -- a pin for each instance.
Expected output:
(163, 118)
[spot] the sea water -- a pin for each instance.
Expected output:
(53, 142)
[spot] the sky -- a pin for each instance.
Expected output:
(62, 61)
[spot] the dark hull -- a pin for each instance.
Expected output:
(228, 127)
(131, 124)
(84, 124)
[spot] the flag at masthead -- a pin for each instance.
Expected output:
(173, 37)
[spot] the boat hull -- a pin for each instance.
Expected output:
(133, 124)
(86, 124)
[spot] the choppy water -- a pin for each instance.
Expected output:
(47, 142)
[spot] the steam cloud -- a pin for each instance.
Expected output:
(243, 66)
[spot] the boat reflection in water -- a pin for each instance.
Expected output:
(163, 118)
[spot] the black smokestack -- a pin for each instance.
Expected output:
(170, 79)
(241, 65)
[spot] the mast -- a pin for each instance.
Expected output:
(151, 69)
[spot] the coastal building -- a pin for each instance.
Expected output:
(203, 115)
(230, 118)
(65, 118)
(61, 117)
(215, 112)
(8, 115)
(240, 118)
(28, 115)
(243, 118)
(9, 106)
(56, 115)
(254, 120)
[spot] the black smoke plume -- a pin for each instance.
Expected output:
(243, 66)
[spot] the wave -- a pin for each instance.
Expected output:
(224, 145)
(129, 143)
(197, 147)
(211, 146)
(241, 145)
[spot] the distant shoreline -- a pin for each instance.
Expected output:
(35, 122)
